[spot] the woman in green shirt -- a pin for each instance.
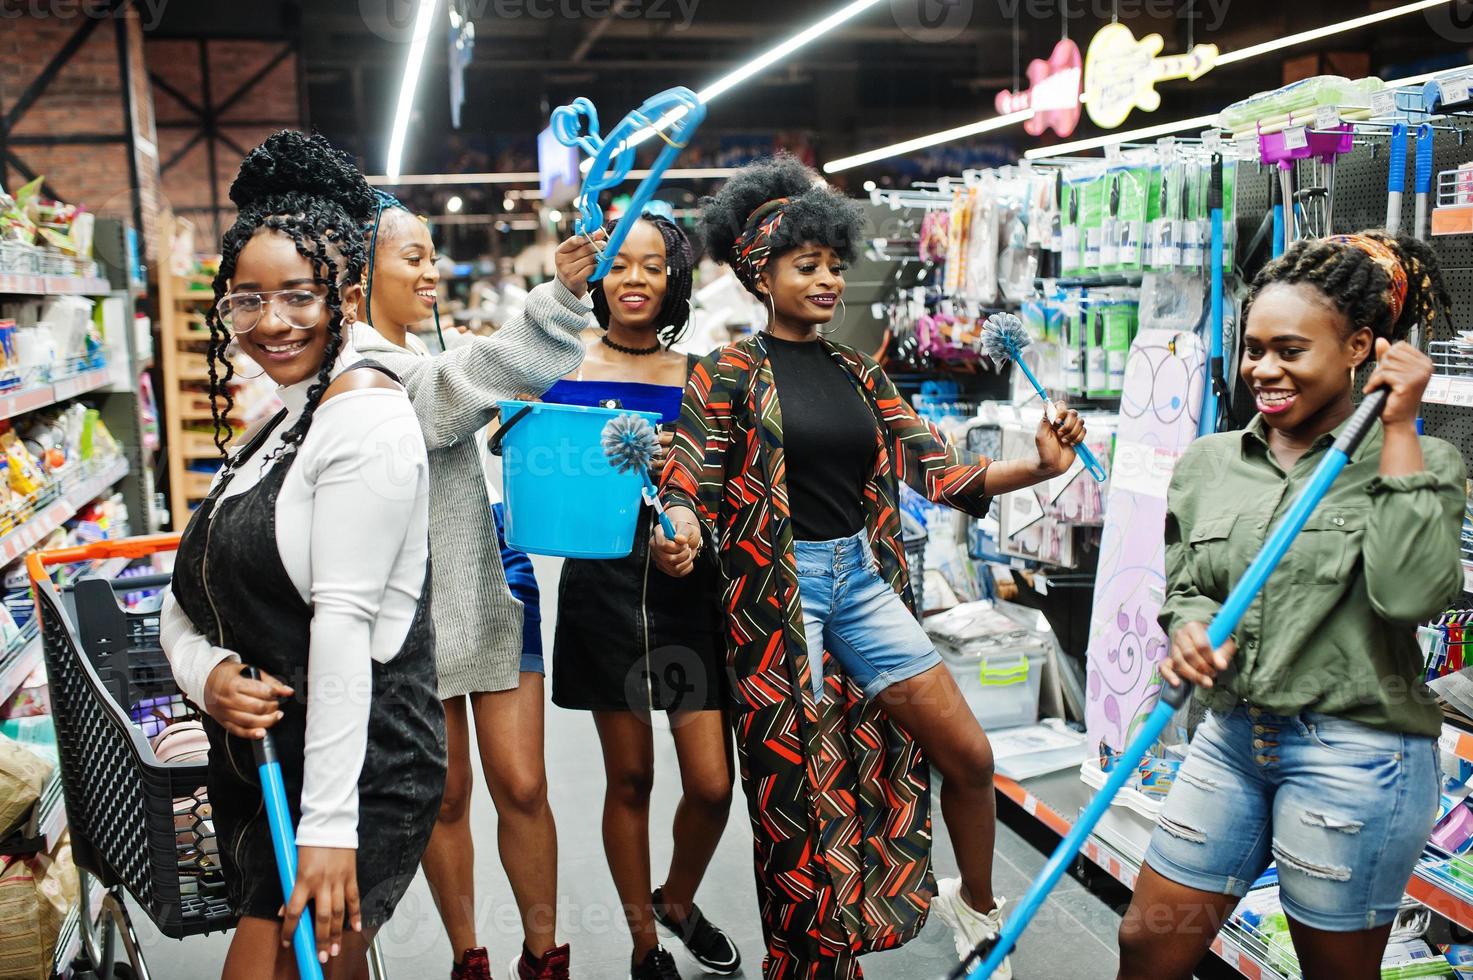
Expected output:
(1319, 751)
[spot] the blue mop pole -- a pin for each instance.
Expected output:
(1172, 698)
(1207, 424)
(284, 842)
(1276, 247)
(1082, 451)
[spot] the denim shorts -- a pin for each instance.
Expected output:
(857, 616)
(523, 584)
(1343, 808)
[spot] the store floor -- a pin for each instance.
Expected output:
(1073, 935)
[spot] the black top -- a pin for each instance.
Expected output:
(829, 438)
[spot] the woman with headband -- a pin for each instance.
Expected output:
(1319, 749)
(786, 463)
(486, 650)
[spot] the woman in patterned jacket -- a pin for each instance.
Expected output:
(840, 699)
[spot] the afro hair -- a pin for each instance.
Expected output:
(816, 212)
(290, 167)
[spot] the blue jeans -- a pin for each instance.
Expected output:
(1342, 807)
(854, 614)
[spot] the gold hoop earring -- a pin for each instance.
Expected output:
(771, 309)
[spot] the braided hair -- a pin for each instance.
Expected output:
(812, 212)
(301, 187)
(680, 264)
(1358, 286)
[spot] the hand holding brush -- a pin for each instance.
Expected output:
(630, 443)
(1003, 339)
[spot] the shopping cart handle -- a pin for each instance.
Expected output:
(140, 547)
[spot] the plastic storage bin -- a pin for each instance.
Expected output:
(1002, 688)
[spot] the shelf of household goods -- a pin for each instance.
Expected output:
(1048, 798)
(69, 500)
(19, 402)
(26, 284)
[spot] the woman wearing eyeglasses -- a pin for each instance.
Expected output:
(276, 571)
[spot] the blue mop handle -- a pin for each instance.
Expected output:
(1276, 248)
(1172, 698)
(1207, 424)
(284, 842)
(1082, 451)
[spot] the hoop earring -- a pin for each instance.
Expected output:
(231, 350)
(843, 315)
(771, 308)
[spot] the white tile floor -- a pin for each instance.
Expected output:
(1074, 935)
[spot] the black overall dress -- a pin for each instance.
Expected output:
(229, 580)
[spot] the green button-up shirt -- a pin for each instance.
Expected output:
(1334, 630)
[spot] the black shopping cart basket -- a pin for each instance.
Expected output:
(137, 824)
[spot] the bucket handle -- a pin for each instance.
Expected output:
(495, 443)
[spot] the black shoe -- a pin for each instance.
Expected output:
(658, 964)
(710, 947)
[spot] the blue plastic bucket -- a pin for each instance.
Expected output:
(562, 496)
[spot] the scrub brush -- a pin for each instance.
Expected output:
(630, 444)
(1003, 339)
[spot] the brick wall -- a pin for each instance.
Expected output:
(83, 99)
(252, 90)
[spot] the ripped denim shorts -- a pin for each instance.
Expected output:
(1343, 808)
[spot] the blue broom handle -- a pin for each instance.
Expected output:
(284, 843)
(1172, 698)
(1082, 451)
(653, 496)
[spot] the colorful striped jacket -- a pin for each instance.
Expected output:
(838, 795)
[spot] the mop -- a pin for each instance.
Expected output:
(1423, 187)
(1003, 339)
(1216, 386)
(630, 443)
(284, 843)
(1172, 698)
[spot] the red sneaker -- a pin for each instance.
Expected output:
(551, 965)
(474, 965)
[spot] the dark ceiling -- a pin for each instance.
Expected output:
(881, 78)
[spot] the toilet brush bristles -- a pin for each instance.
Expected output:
(630, 443)
(1003, 338)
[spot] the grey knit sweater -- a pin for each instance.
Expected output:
(478, 624)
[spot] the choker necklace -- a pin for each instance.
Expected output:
(631, 351)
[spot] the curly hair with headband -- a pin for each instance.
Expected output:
(301, 187)
(1385, 283)
(771, 207)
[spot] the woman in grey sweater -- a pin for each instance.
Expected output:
(478, 623)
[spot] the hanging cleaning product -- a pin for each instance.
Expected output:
(1092, 203)
(1135, 186)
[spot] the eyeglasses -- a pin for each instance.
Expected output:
(242, 312)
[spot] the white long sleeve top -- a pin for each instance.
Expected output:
(352, 528)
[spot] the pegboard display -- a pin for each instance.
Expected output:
(1360, 203)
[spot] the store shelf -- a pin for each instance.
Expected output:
(19, 660)
(49, 518)
(42, 396)
(1441, 892)
(69, 942)
(12, 284)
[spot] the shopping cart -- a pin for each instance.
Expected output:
(138, 825)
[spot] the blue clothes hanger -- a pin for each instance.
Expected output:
(576, 125)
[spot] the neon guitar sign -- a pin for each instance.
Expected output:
(674, 115)
(1120, 72)
(1052, 93)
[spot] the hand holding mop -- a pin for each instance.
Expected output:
(630, 444)
(1172, 698)
(284, 842)
(1003, 339)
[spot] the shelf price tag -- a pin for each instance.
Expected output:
(1296, 138)
(1326, 117)
(1437, 389)
(1383, 103)
(1212, 140)
(1454, 90)
(1246, 146)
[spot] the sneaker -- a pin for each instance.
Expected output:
(708, 945)
(552, 965)
(657, 964)
(969, 926)
(474, 965)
